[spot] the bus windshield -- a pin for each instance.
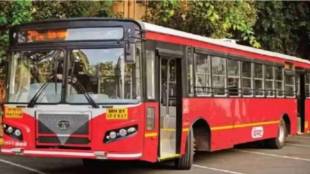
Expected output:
(104, 75)
(31, 71)
(93, 76)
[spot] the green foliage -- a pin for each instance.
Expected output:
(218, 19)
(21, 11)
(277, 25)
(64, 9)
(12, 13)
(284, 27)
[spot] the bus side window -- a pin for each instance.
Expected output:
(307, 83)
(269, 78)
(218, 75)
(246, 78)
(279, 81)
(289, 83)
(150, 74)
(233, 72)
(258, 80)
(190, 72)
(202, 70)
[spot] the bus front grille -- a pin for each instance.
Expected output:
(63, 129)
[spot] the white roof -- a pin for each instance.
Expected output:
(169, 31)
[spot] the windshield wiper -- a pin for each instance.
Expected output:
(87, 96)
(35, 98)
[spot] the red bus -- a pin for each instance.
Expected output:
(107, 89)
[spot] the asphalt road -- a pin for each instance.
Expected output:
(294, 158)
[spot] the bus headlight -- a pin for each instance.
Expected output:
(116, 134)
(13, 132)
(112, 135)
(131, 130)
(9, 130)
(122, 132)
(17, 133)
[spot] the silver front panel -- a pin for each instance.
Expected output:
(62, 126)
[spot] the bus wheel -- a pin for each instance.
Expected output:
(186, 161)
(279, 141)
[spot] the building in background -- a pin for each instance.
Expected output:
(2, 96)
(134, 9)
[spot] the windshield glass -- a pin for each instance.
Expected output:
(104, 75)
(30, 70)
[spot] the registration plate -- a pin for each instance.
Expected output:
(117, 114)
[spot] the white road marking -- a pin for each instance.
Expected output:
(305, 137)
(298, 145)
(21, 166)
(216, 169)
(275, 155)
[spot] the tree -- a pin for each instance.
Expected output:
(12, 13)
(22, 11)
(284, 27)
(224, 19)
(43, 10)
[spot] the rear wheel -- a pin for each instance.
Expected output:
(279, 141)
(186, 161)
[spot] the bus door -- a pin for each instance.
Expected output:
(301, 98)
(170, 105)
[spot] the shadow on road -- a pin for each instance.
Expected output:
(115, 167)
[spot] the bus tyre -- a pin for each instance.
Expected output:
(279, 141)
(185, 162)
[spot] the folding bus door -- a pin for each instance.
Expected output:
(170, 110)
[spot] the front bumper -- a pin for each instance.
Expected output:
(72, 154)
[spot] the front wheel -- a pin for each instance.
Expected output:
(279, 141)
(186, 161)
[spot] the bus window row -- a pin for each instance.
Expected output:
(307, 84)
(217, 76)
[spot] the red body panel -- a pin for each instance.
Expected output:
(307, 115)
(223, 115)
(99, 125)
(231, 119)
(150, 150)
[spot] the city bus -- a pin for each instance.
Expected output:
(108, 90)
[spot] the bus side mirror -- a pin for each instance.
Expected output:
(130, 52)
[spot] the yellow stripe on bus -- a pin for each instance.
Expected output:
(168, 129)
(152, 134)
(173, 130)
(170, 156)
(1, 141)
(244, 125)
(155, 134)
(185, 129)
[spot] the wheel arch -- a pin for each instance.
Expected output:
(202, 134)
(287, 121)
